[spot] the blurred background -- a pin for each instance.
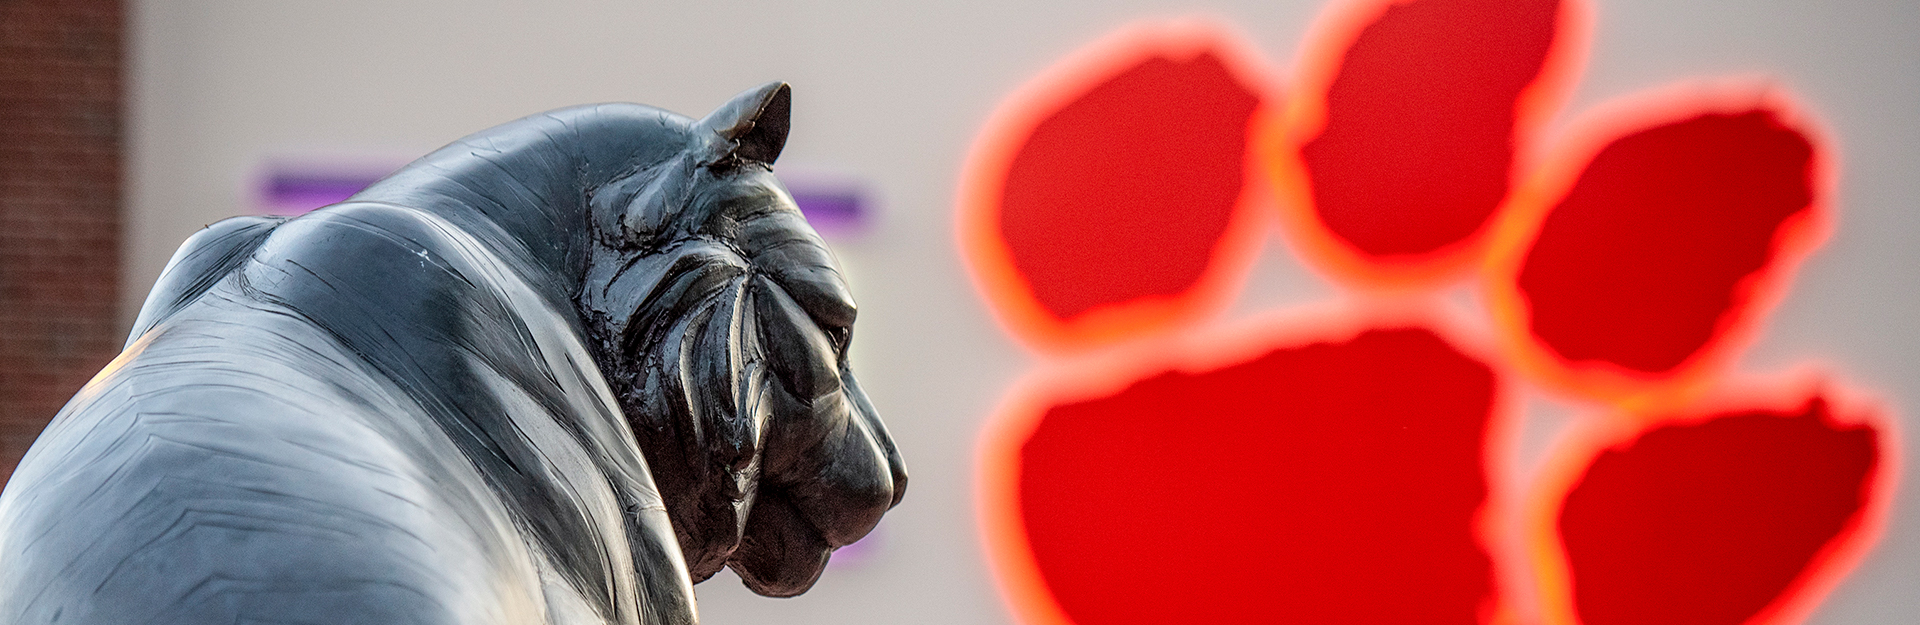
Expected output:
(126, 126)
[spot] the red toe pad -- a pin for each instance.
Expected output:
(1716, 520)
(1664, 247)
(1107, 199)
(1400, 143)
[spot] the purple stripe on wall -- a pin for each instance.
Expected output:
(835, 210)
(295, 192)
(832, 212)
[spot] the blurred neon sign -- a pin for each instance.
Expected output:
(1343, 463)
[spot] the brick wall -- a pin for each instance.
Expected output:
(60, 86)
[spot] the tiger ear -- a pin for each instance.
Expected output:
(754, 123)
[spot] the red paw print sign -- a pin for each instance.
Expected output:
(1349, 463)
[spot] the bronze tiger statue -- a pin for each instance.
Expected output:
(555, 372)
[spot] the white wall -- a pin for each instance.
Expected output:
(893, 92)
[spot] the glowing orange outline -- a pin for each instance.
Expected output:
(1738, 326)
(1281, 137)
(984, 175)
(996, 496)
(1573, 455)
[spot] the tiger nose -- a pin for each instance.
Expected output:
(842, 482)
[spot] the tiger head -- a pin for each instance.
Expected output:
(722, 324)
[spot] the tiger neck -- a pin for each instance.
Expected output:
(525, 186)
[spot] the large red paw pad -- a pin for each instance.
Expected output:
(1106, 199)
(1334, 482)
(1730, 519)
